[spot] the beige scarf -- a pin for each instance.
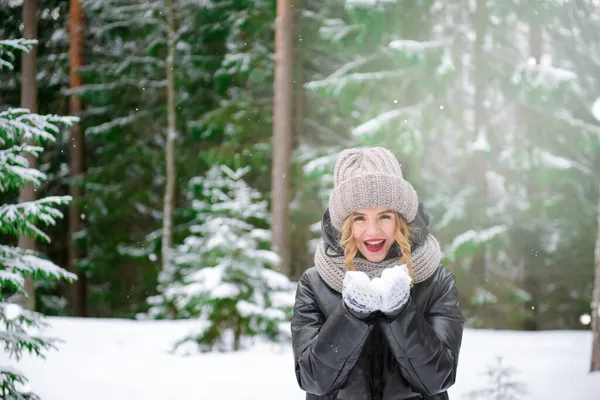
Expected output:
(426, 259)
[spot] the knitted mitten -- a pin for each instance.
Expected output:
(394, 288)
(359, 294)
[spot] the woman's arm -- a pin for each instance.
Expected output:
(427, 346)
(325, 351)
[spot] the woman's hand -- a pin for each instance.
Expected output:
(359, 293)
(394, 288)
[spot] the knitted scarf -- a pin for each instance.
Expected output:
(426, 259)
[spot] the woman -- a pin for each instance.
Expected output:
(377, 318)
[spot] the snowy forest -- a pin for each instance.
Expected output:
(169, 161)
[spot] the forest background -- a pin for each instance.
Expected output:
(191, 175)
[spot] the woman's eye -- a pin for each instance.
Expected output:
(386, 216)
(359, 218)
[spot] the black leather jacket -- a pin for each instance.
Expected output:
(413, 355)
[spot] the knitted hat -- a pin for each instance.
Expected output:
(370, 177)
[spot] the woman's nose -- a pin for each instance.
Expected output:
(372, 228)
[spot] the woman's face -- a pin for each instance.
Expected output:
(374, 231)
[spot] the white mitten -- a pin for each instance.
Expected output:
(359, 294)
(394, 288)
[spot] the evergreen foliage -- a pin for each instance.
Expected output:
(22, 132)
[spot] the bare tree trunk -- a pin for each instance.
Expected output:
(169, 197)
(78, 290)
(534, 264)
(29, 101)
(595, 365)
(478, 162)
(282, 133)
(298, 248)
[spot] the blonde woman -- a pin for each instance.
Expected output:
(377, 317)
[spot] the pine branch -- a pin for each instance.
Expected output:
(22, 217)
(8, 46)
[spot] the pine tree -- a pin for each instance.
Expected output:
(222, 273)
(126, 131)
(478, 120)
(17, 126)
(223, 62)
(501, 384)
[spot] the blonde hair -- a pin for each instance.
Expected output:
(402, 238)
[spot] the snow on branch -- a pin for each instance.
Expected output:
(340, 83)
(22, 217)
(117, 122)
(123, 82)
(473, 239)
(8, 46)
(558, 162)
(375, 124)
(335, 29)
(15, 263)
(320, 163)
(352, 65)
(567, 117)
(541, 75)
(14, 167)
(414, 46)
(17, 124)
(366, 3)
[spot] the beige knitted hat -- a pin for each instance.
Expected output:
(370, 177)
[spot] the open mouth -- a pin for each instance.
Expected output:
(375, 245)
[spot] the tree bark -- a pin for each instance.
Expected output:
(29, 101)
(534, 264)
(595, 364)
(77, 290)
(298, 249)
(282, 133)
(478, 161)
(169, 196)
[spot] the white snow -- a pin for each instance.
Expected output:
(473, 236)
(375, 124)
(541, 74)
(413, 46)
(596, 109)
(366, 3)
(11, 311)
(15, 3)
(320, 163)
(447, 64)
(552, 160)
(124, 360)
(363, 78)
(481, 143)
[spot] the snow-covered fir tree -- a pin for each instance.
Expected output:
(22, 132)
(501, 384)
(222, 272)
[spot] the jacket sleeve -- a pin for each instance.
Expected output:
(325, 350)
(427, 346)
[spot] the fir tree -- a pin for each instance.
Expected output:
(23, 132)
(222, 274)
(501, 384)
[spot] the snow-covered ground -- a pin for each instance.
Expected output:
(125, 360)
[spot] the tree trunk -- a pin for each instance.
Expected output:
(595, 365)
(298, 250)
(534, 265)
(29, 101)
(282, 133)
(169, 197)
(77, 290)
(478, 161)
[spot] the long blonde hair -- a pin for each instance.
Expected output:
(402, 238)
